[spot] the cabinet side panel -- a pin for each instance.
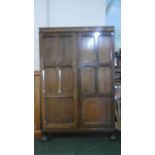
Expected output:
(37, 115)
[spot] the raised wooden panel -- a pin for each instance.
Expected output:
(87, 54)
(88, 80)
(96, 110)
(59, 110)
(67, 81)
(105, 80)
(105, 49)
(51, 81)
(65, 50)
(58, 50)
(50, 51)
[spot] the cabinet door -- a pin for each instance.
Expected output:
(95, 63)
(59, 92)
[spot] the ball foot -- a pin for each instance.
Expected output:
(113, 137)
(44, 138)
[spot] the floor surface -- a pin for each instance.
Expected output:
(92, 144)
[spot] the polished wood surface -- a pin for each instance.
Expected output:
(77, 78)
(37, 116)
(58, 91)
(104, 49)
(104, 80)
(51, 81)
(96, 111)
(87, 54)
(59, 111)
(77, 29)
(88, 80)
(95, 62)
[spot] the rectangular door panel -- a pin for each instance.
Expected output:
(67, 81)
(59, 111)
(104, 80)
(87, 54)
(50, 51)
(59, 81)
(88, 80)
(96, 111)
(51, 81)
(105, 49)
(58, 50)
(65, 49)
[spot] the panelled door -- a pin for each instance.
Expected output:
(59, 92)
(95, 68)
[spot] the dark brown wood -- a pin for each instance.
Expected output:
(106, 129)
(75, 81)
(95, 50)
(77, 78)
(37, 115)
(106, 29)
(96, 111)
(104, 49)
(38, 134)
(87, 80)
(59, 111)
(59, 95)
(42, 80)
(104, 80)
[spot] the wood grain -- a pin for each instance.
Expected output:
(67, 81)
(104, 80)
(50, 51)
(87, 54)
(77, 91)
(51, 81)
(95, 77)
(88, 80)
(77, 29)
(59, 95)
(59, 110)
(105, 49)
(66, 49)
(96, 111)
(37, 116)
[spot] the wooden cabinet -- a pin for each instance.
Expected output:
(77, 78)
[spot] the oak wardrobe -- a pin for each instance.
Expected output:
(77, 79)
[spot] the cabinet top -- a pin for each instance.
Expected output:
(77, 29)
